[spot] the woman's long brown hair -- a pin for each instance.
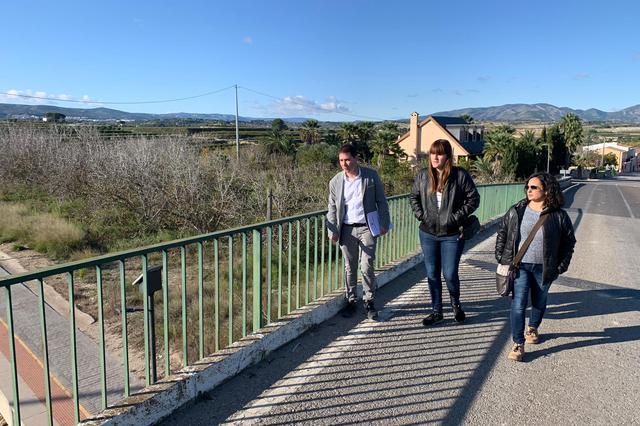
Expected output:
(436, 184)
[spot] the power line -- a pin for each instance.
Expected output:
(118, 102)
(292, 100)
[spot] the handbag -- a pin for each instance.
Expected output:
(470, 228)
(506, 274)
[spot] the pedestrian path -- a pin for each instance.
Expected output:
(31, 386)
(585, 370)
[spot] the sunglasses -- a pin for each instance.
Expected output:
(532, 187)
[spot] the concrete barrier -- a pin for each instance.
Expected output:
(565, 182)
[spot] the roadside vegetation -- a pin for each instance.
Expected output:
(44, 232)
(99, 193)
(74, 191)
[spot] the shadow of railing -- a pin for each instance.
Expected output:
(349, 371)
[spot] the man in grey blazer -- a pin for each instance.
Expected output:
(358, 214)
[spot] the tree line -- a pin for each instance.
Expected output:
(137, 190)
(509, 157)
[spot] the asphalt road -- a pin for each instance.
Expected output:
(584, 371)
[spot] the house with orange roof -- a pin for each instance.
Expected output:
(466, 139)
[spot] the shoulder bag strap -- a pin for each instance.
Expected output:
(527, 242)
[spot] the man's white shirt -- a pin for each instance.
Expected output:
(353, 207)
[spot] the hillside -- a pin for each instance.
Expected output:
(543, 113)
(504, 113)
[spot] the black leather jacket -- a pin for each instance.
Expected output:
(460, 198)
(557, 243)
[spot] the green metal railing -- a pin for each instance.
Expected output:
(236, 267)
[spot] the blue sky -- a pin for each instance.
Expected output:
(332, 60)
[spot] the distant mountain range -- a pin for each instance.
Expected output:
(543, 113)
(107, 114)
(503, 113)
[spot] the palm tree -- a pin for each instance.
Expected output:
(528, 138)
(279, 142)
(310, 132)
(348, 132)
(467, 118)
(571, 129)
(498, 143)
(483, 170)
(332, 138)
(544, 145)
(385, 144)
(365, 132)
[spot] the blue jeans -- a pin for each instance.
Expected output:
(528, 277)
(442, 256)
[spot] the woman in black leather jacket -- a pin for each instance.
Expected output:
(442, 199)
(548, 255)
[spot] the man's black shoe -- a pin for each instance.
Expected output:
(458, 313)
(372, 314)
(432, 319)
(349, 310)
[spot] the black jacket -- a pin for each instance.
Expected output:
(460, 198)
(557, 243)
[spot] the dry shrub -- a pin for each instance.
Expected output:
(41, 231)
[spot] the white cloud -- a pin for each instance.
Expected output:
(300, 105)
(40, 97)
(248, 40)
(25, 96)
(581, 76)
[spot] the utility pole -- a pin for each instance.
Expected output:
(237, 132)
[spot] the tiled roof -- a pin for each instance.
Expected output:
(446, 121)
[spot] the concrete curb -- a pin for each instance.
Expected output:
(163, 398)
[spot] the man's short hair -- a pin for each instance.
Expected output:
(348, 148)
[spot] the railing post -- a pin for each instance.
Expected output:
(257, 280)
(269, 204)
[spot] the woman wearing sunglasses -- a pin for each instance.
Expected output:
(442, 199)
(547, 256)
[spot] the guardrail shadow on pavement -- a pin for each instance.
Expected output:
(392, 370)
(352, 371)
